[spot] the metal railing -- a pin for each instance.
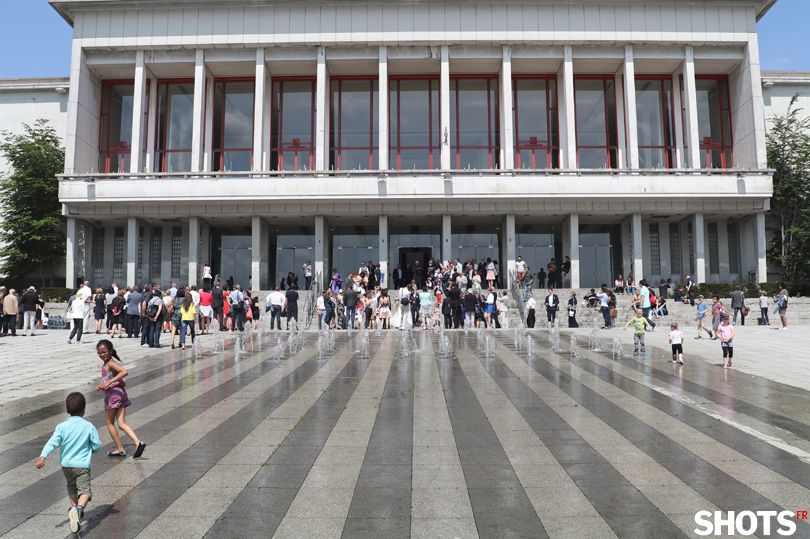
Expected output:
(382, 175)
(517, 295)
(311, 304)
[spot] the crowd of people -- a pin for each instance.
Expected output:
(25, 312)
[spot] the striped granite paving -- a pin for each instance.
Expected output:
(398, 445)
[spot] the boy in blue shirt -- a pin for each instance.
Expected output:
(701, 317)
(79, 440)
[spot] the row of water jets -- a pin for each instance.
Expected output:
(525, 342)
(253, 340)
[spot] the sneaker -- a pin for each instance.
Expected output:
(635, 353)
(698, 338)
(73, 517)
(680, 361)
(80, 510)
(642, 353)
(710, 335)
(783, 329)
(70, 341)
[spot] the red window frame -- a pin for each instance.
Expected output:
(708, 145)
(119, 151)
(277, 150)
(532, 144)
(160, 155)
(221, 150)
(607, 147)
(671, 149)
(432, 145)
(494, 140)
(335, 146)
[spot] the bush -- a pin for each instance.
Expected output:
(56, 295)
(751, 290)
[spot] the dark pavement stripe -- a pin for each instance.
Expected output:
(42, 494)
(381, 506)
(710, 482)
(262, 504)
(500, 505)
(772, 457)
(625, 509)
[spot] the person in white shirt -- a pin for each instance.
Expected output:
(520, 269)
(676, 340)
(503, 310)
(76, 312)
(307, 269)
(531, 306)
(321, 304)
(275, 304)
(763, 308)
(405, 319)
(206, 275)
(87, 297)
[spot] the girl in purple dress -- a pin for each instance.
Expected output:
(115, 398)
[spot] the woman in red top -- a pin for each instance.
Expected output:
(206, 311)
(226, 309)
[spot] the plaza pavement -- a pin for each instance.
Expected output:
(413, 443)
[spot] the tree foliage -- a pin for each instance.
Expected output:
(789, 156)
(32, 219)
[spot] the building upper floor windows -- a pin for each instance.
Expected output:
(474, 122)
(354, 131)
(115, 130)
(233, 124)
(415, 123)
(535, 122)
(293, 124)
(655, 121)
(174, 127)
(714, 122)
(596, 122)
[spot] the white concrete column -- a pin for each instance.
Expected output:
(690, 96)
(193, 250)
(567, 111)
(132, 251)
(509, 244)
(447, 235)
(621, 124)
(507, 127)
(383, 110)
(573, 248)
(151, 127)
(698, 239)
(259, 112)
(761, 243)
(444, 90)
(638, 247)
(71, 252)
(208, 135)
(322, 112)
(384, 244)
(138, 110)
(680, 155)
(631, 119)
(321, 254)
(258, 247)
(199, 112)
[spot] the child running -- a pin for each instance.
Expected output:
(640, 325)
(676, 340)
(78, 440)
(725, 332)
(115, 398)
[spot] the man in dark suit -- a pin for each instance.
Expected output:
(552, 304)
(217, 303)
(447, 311)
(407, 275)
(397, 277)
(455, 304)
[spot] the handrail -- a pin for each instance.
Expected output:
(382, 175)
(514, 287)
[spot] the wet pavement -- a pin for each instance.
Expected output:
(411, 439)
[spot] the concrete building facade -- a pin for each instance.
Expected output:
(629, 136)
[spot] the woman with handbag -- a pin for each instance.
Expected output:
(572, 310)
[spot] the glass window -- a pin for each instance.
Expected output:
(597, 132)
(474, 122)
(475, 242)
(415, 138)
(714, 122)
(675, 248)
(354, 126)
(655, 250)
(733, 248)
(351, 246)
(233, 124)
(656, 138)
(115, 133)
(174, 126)
(714, 248)
(293, 125)
(536, 134)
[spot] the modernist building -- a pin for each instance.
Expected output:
(629, 136)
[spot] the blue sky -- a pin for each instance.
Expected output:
(36, 41)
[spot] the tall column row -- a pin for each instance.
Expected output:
(202, 116)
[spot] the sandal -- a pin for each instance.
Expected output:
(117, 454)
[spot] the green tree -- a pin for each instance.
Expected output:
(789, 156)
(29, 197)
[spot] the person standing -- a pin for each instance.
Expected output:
(738, 304)
(528, 281)
(236, 299)
(645, 302)
(29, 302)
(726, 335)
(469, 308)
(552, 273)
(133, 315)
(676, 340)
(640, 325)
(206, 275)
(455, 304)
(552, 304)
(604, 307)
(520, 269)
(206, 312)
(572, 310)
(763, 308)
(717, 312)
(307, 269)
(531, 306)
(321, 306)
(291, 306)
(76, 311)
(701, 317)
(565, 269)
(782, 305)
(87, 296)
(350, 298)
(154, 311)
(503, 310)
(690, 290)
(275, 303)
(218, 304)
(10, 310)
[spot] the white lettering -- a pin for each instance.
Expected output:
(784, 520)
(702, 519)
(752, 523)
(720, 522)
(766, 521)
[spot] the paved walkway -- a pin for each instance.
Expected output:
(415, 443)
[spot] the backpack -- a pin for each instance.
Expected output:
(116, 306)
(152, 310)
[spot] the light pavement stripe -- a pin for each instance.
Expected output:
(130, 472)
(440, 502)
(758, 477)
(555, 496)
(324, 499)
(234, 471)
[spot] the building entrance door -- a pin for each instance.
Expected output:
(412, 255)
(595, 260)
(235, 260)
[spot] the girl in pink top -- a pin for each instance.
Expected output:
(725, 332)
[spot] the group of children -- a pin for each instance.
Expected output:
(724, 332)
(78, 438)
